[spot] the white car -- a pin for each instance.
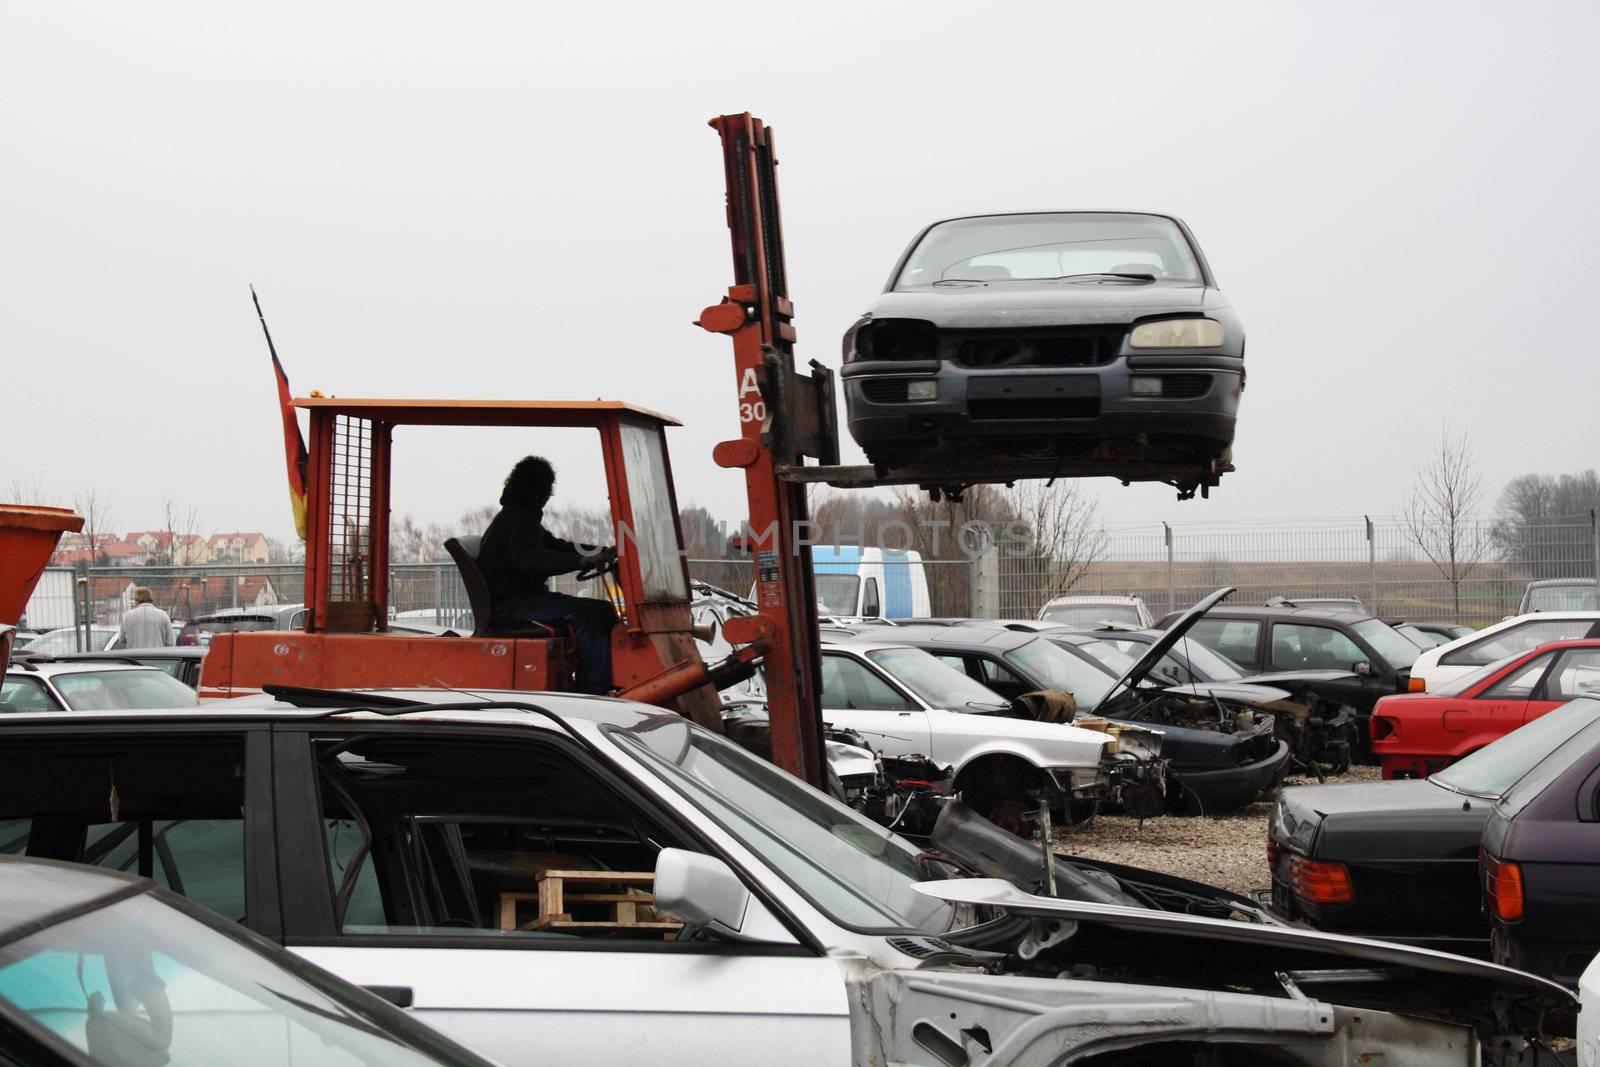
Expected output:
(1589, 1016)
(552, 878)
(1437, 666)
(1089, 612)
(89, 685)
(904, 701)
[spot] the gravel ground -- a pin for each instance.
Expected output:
(1223, 850)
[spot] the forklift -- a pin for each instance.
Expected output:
(788, 438)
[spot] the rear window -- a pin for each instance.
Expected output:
(119, 690)
(1092, 614)
(1495, 768)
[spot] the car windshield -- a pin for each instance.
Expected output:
(72, 639)
(1092, 614)
(1013, 247)
(123, 690)
(938, 684)
(1389, 643)
(1498, 766)
(837, 593)
(854, 870)
(1579, 596)
(140, 982)
(1456, 686)
(1052, 667)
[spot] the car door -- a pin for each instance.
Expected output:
(423, 864)
(1497, 709)
(857, 696)
(1298, 646)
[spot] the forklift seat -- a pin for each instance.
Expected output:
(464, 551)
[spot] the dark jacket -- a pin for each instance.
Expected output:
(518, 555)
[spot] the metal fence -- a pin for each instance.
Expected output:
(1170, 565)
(1374, 560)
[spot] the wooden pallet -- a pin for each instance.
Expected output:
(626, 909)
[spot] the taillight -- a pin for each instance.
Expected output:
(1502, 885)
(1383, 727)
(1319, 882)
(1272, 852)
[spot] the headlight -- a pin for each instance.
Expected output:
(1177, 333)
(922, 390)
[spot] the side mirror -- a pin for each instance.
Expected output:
(1363, 668)
(700, 891)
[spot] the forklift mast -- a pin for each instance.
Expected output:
(784, 418)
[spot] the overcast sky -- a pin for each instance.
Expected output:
(520, 200)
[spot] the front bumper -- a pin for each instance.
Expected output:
(1234, 787)
(1042, 401)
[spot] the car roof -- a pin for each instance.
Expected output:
(964, 637)
(22, 666)
(1095, 598)
(1240, 612)
(34, 890)
(266, 708)
(1545, 582)
(128, 654)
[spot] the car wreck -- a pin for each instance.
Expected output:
(735, 914)
(1057, 336)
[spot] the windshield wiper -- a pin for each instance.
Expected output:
(1138, 277)
(961, 281)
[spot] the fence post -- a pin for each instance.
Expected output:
(1172, 603)
(1372, 563)
(985, 583)
(1594, 533)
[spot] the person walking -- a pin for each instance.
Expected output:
(144, 625)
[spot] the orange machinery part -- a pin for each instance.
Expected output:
(28, 536)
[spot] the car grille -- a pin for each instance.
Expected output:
(1089, 346)
(884, 390)
(1184, 386)
(1077, 407)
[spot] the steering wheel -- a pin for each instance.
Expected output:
(604, 564)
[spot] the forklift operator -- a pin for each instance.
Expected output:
(518, 555)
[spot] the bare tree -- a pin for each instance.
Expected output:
(29, 491)
(1440, 516)
(95, 508)
(1066, 529)
(183, 524)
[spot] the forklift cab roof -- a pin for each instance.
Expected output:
(399, 412)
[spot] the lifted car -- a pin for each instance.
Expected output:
(1064, 337)
(559, 878)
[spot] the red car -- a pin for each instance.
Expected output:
(1415, 734)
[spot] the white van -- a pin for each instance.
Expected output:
(870, 583)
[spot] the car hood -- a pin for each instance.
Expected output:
(1162, 645)
(1042, 303)
(1244, 692)
(1276, 678)
(1477, 989)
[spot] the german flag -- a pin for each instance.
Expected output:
(294, 446)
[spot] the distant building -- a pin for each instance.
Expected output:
(237, 548)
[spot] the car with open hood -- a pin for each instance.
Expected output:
(1222, 747)
(1066, 335)
(1008, 758)
(1365, 657)
(1399, 859)
(552, 877)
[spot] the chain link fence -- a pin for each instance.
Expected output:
(1169, 565)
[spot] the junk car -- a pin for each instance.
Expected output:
(1415, 734)
(553, 878)
(1398, 859)
(1074, 335)
(106, 969)
(1540, 862)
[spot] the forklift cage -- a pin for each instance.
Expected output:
(347, 510)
